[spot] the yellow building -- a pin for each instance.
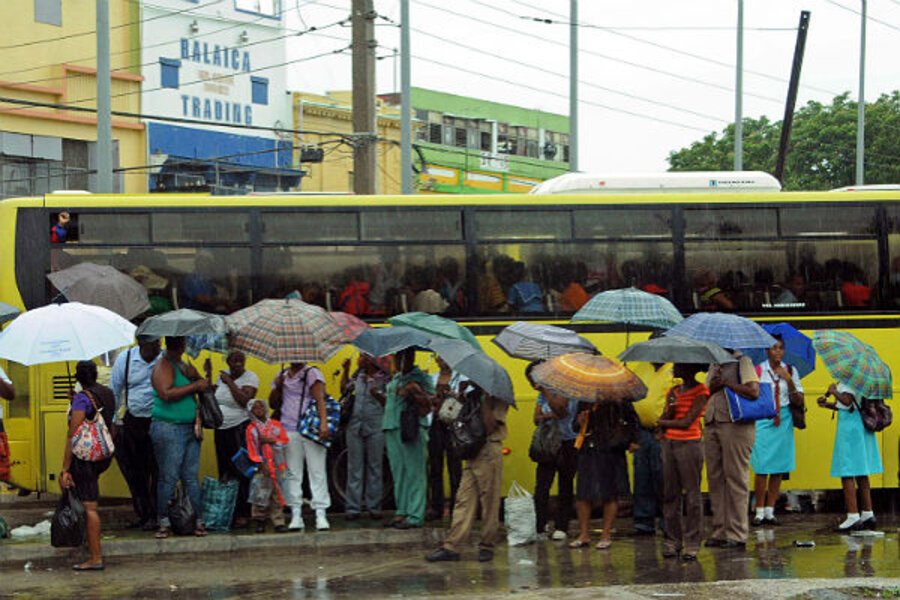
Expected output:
(332, 115)
(48, 57)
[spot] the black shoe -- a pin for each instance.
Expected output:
(354, 516)
(757, 521)
(670, 553)
(733, 545)
(640, 531)
(432, 515)
(485, 555)
(392, 522)
(281, 529)
(150, 525)
(260, 527)
(869, 523)
(714, 543)
(375, 515)
(404, 524)
(443, 555)
(136, 524)
(771, 522)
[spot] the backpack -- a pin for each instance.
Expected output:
(876, 415)
(467, 433)
(353, 298)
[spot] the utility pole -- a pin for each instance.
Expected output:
(861, 108)
(364, 126)
(104, 115)
(739, 93)
(573, 86)
(406, 181)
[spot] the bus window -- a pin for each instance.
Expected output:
(63, 227)
(369, 280)
(201, 226)
(566, 274)
(726, 223)
(831, 220)
(614, 223)
(523, 225)
(287, 227)
(114, 228)
(421, 225)
(734, 275)
(892, 295)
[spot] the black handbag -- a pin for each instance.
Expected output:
(210, 412)
(546, 443)
(467, 432)
(409, 422)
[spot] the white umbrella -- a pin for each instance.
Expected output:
(64, 332)
(102, 285)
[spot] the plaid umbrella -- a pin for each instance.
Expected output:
(535, 341)
(726, 330)
(589, 378)
(284, 331)
(435, 325)
(854, 363)
(631, 306)
(351, 324)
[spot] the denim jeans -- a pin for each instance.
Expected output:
(647, 482)
(178, 456)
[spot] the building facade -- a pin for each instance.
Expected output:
(323, 123)
(213, 94)
(48, 59)
(466, 145)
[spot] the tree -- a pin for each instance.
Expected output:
(822, 152)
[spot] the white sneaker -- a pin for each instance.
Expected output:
(296, 522)
(559, 535)
(321, 521)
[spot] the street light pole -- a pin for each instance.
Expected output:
(406, 182)
(104, 115)
(739, 93)
(861, 108)
(573, 86)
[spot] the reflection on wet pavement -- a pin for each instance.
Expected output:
(771, 554)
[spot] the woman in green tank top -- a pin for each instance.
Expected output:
(176, 431)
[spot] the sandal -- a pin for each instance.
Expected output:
(579, 544)
(200, 530)
(689, 556)
(163, 532)
(603, 545)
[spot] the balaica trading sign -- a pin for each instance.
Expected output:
(225, 64)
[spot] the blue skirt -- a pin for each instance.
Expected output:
(855, 448)
(773, 451)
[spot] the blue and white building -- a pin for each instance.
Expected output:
(220, 67)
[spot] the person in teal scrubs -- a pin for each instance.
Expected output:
(407, 459)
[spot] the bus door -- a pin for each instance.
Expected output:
(20, 422)
(52, 386)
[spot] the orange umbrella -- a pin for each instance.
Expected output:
(589, 378)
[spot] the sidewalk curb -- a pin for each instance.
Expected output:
(311, 541)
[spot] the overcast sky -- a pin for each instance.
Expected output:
(655, 74)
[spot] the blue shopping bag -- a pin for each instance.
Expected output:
(746, 410)
(219, 498)
(242, 462)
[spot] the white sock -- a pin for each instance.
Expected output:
(760, 512)
(770, 512)
(320, 513)
(296, 512)
(851, 520)
(866, 515)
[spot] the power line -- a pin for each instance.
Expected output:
(868, 17)
(93, 32)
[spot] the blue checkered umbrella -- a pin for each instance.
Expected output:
(728, 331)
(631, 306)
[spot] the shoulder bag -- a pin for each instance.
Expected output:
(309, 422)
(876, 415)
(546, 442)
(92, 441)
(210, 413)
(797, 406)
(748, 410)
(467, 432)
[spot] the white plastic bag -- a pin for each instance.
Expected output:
(521, 520)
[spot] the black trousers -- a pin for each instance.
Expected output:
(566, 466)
(228, 442)
(134, 455)
(438, 448)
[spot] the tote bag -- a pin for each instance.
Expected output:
(747, 410)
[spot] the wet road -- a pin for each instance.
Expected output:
(403, 572)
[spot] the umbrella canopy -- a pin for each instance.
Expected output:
(535, 341)
(182, 322)
(798, 349)
(214, 342)
(8, 312)
(631, 306)
(64, 332)
(676, 349)
(285, 331)
(435, 325)
(854, 363)
(102, 285)
(726, 330)
(480, 368)
(589, 378)
(351, 324)
(381, 341)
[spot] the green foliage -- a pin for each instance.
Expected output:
(822, 150)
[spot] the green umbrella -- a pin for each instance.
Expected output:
(180, 323)
(854, 363)
(435, 325)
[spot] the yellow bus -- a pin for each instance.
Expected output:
(816, 260)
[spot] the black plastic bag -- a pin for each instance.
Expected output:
(546, 443)
(409, 422)
(67, 530)
(182, 518)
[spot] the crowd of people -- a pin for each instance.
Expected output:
(680, 426)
